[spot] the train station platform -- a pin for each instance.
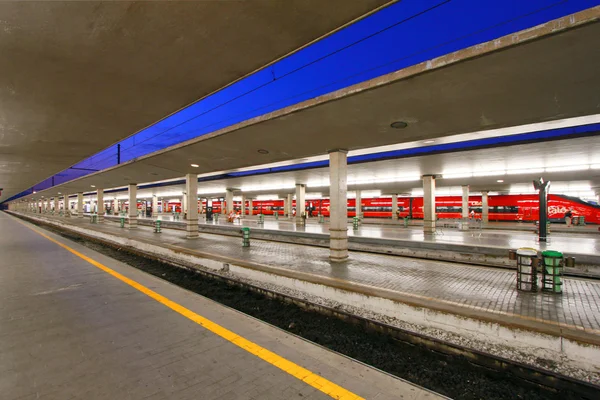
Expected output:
(467, 301)
(77, 324)
(488, 246)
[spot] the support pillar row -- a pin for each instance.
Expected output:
(465, 207)
(80, 205)
(429, 215)
(300, 204)
(191, 190)
(338, 226)
(100, 205)
(132, 213)
(485, 208)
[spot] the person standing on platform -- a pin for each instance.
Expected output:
(568, 218)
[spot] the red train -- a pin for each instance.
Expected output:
(501, 207)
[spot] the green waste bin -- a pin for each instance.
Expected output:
(157, 226)
(261, 218)
(406, 222)
(245, 236)
(355, 223)
(553, 264)
(122, 220)
(321, 219)
(581, 220)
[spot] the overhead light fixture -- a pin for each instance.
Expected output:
(568, 168)
(500, 180)
(399, 125)
(525, 171)
(267, 197)
(59, 193)
(93, 185)
(429, 141)
(263, 151)
(489, 173)
(194, 165)
(457, 175)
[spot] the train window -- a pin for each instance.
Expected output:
(448, 209)
(505, 209)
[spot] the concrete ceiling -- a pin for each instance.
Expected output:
(541, 74)
(509, 164)
(75, 77)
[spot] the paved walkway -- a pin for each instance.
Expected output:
(578, 243)
(480, 289)
(70, 330)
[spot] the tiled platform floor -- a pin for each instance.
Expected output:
(69, 330)
(585, 241)
(463, 286)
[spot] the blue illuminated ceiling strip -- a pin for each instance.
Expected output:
(548, 135)
(553, 134)
(511, 140)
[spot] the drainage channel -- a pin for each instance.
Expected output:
(439, 366)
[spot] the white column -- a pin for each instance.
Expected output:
(429, 216)
(56, 207)
(184, 204)
(229, 200)
(300, 206)
(80, 205)
(191, 190)
(395, 207)
(154, 206)
(67, 206)
(465, 207)
(485, 208)
(250, 207)
(288, 205)
(100, 205)
(338, 225)
(243, 206)
(358, 204)
(132, 213)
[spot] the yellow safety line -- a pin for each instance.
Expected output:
(314, 380)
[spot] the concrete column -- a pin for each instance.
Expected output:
(395, 207)
(243, 206)
(184, 204)
(67, 206)
(465, 207)
(191, 190)
(154, 206)
(429, 215)
(56, 208)
(132, 213)
(80, 205)
(338, 226)
(300, 196)
(100, 205)
(485, 208)
(229, 200)
(288, 204)
(358, 206)
(250, 207)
